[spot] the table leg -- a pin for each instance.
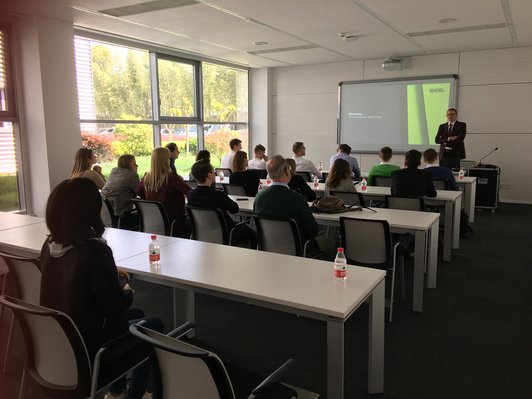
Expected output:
(335, 358)
(376, 341)
(448, 231)
(457, 208)
(420, 257)
(189, 309)
(432, 270)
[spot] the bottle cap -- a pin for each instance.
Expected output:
(340, 249)
(154, 237)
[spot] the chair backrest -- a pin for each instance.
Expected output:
(25, 275)
(349, 198)
(383, 181)
(153, 217)
(278, 235)
(108, 214)
(366, 242)
(191, 183)
(441, 184)
(227, 171)
(186, 371)
(208, 225)
(57, 359)
(405, 203)
(236, 189)
(306, 175)
(324, 175)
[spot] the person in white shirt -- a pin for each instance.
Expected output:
(302, 164)
(259, 162)
(227, 160)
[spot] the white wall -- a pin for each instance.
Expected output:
(47, 104)
(494, 98)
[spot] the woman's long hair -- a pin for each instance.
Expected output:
(240, 162)
(339, 171)
(73, 212)
(159, 171)
(82, 162)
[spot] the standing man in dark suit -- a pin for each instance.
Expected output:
(411, 181)
(451, 137)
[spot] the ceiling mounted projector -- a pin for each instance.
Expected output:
(392, 64)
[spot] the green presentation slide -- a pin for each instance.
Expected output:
(426, 105)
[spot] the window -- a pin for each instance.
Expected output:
(118, 115)
(10, 178)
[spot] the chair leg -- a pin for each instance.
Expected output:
(8, 345)
(22, 385)
(403, 296)
(391, 295)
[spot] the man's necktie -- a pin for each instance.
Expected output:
(450, 128)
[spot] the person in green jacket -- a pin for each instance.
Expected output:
(385, 168)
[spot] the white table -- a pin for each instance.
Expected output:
(423, 225)
(10, 220)
(469, 187)
(286, 283)
(280, 282)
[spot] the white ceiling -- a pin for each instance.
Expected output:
(300, 32)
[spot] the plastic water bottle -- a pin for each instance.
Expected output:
(316, 182)
(340, 263)
(320, 166)
(268, 180)
(364, 185)
(461, 174)
(261, 187)
(221, 176)
(154, 250)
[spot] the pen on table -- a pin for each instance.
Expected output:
(241, 199)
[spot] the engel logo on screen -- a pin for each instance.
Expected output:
(439, 90)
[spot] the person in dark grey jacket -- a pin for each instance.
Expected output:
(120, 188)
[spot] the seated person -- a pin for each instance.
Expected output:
(339, 178)
(80, 278)
(205, 196)
(259, 162)
(83, 162)
(411, 181)
(162, 185)
(120, 188)
(343, 152)
(202, 154)
(302, 164)
(279, 201)
(298, 183)
(438, 172)
(174, 154)
(385, 168)
(241, 175)
(227, 160)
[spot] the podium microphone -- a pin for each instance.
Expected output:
(489, 153)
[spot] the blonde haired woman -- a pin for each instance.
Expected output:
(162, 185)
(83, 162)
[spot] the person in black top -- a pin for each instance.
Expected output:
(205, 196)
(241, 175)
(80, 278)
(411, 181)
(297, 183)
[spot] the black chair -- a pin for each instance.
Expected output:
(280, 236)
(441, 184)
(109, 218)
(306, 175)
(404, 203)
(188, 371)
(153, 217)
(349, 198)
(368, 243)
(191, 183)
(209, 225)
(383, 181)
(236, 189)
(24, 275)
(57, 361)
(227, 172)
